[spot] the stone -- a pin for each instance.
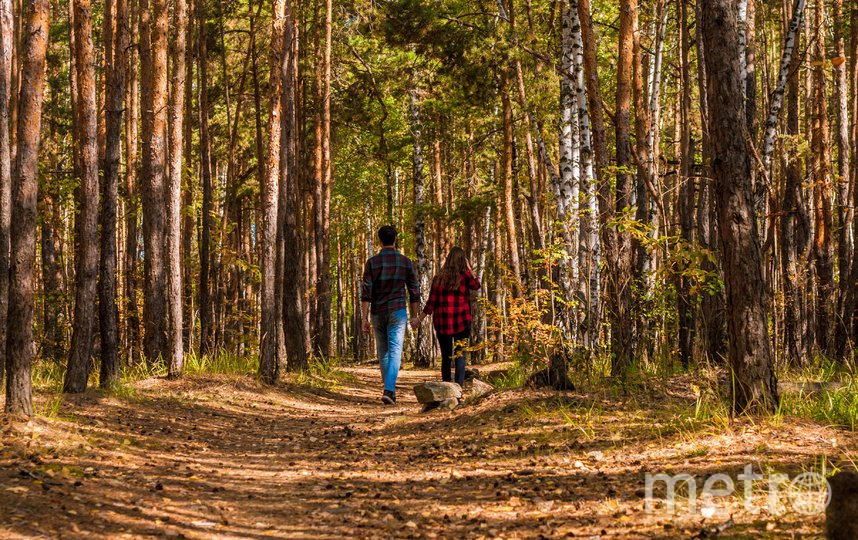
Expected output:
(428, 392)
(449, 404)
(476, 389)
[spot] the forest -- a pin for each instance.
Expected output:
(656, 198)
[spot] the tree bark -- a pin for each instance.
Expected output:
(507, 196)
(271, 341)
(777, 99)
(205, 288)
(621, 268)
(173, 234)
(19, 337)
(423, 346)
(132, 203)
(843, 207)
(322, 195)
(293, 320)
(754, 384)
(116, 41)
(86, 220)
(6, 67)
(823, 249)
(685, 311)
(794, 239)
(154, 108)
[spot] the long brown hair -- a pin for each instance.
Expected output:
(450, 276)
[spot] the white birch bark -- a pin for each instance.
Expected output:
(777, 100)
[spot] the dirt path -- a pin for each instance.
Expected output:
(223, 457)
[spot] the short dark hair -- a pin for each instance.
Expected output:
(387, 235)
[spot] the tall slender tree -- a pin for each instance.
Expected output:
(86, 220)
(271, 350)
(621, 267)
(754, 384)
(173, 233)
(19, 336)
(116, 41)
(6, 30)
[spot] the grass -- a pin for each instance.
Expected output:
(835, 407)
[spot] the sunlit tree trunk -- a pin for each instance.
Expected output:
(6, 29)
(132, 203)
(116, 41)
(271, 351)
(173, 237)
(322, 223)
(685, 311)
(843, 181)
(823, 250)
(507, 201)
(293, 321)
(86, 220)
(794, 239)
(423, 346)
(621, 268)
(754, 385)
(566, 185)
(154, 18)
(19, 337)
(207, 330)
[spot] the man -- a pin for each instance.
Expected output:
(386, 278)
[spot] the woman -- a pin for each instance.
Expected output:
(449, 304)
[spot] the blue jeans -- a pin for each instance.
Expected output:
(389, 335)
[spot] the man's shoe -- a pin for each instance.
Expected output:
(388, 397)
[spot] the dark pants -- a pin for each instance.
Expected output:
(453, 347)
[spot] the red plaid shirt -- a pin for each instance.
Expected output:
(451, 309)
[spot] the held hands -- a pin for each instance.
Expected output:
(415, 322)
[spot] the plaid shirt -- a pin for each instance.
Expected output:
(451, 309)
(386, 276)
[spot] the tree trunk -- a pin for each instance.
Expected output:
(86, 220)
(173, 235)
(116, 41)
(19, 337)
(777, 99)
(507, 201)
(205, 288)
(754, 384)
(823, 250)
(132, 206)
(794, 239)
(621, 267)
(293, 320)
(271, 344)
(6, 29)
(566, 189)
(685, 312)
(154, 20)
(322, 195)
(423, 345)
(844, 210)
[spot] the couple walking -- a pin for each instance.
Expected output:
(387, 277)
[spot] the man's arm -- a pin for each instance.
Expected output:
(365, 296)
(364, 316)
(413, 287)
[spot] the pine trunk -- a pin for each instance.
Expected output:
(116, 41)
(86, 219)
(754, 385)
(22, 275)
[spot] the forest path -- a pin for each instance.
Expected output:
(225, 457)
